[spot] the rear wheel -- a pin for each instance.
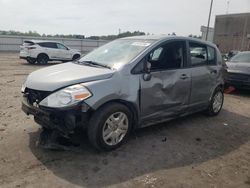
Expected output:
(31, 61)
(216, 102)
(42, 59)
(109, 126)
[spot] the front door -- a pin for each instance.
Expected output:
(63, 53)
(167, 93)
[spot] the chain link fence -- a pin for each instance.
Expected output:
(13, 43)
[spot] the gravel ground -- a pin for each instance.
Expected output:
(195, 151)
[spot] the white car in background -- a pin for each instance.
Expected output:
(43, 51)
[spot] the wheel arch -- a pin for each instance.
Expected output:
(43, 54)
(76, 55)
(132, 107)
(220, 86)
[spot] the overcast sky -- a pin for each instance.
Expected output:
(102, 17)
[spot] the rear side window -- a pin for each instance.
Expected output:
(198, 53)
(48, 44)
(211, 55)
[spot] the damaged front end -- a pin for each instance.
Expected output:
(56, 122)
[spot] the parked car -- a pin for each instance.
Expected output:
(232, 53)
(229, 55)
(124, 85)
(43, 51)
(238, 70)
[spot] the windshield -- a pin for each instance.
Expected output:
(241, 57)
(117, 53)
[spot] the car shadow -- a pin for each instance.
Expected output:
(182, 142)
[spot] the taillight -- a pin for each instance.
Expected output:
(31, 48)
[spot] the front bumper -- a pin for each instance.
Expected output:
(238, 80)
(64, 120)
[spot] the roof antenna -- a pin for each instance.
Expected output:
(228, 2)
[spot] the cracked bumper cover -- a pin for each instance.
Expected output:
(65, 120)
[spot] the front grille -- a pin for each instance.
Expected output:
(238, 76)
(35, 95)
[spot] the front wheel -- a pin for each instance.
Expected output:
(216, 102)
(75, 57)
(109, 126)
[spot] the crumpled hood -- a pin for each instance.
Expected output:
(237, 67)
(62, 75)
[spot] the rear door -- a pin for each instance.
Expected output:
(202, 75)
(167, 93)
(50, 49)
(215, 69)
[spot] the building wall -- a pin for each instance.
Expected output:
(13, 43)
(232, 32)
(204, 33)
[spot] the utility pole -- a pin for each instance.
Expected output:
(209, 16)
(228, 2)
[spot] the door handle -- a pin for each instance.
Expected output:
(184, 76)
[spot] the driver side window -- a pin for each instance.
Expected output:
(168, 56)
(155, 55)
(60, 46)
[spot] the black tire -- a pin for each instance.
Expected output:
(31, 61)
(98, 121)
(42, 59)
(211, 111)
(75, 57)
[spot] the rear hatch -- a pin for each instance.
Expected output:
(27, 45)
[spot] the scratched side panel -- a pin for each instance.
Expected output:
(177, 90)
(151, 95)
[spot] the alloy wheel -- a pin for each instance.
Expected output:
(115, 128)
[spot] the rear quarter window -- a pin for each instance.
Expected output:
(198, 54)
(48, 44)
(28, 43)
(211, 55)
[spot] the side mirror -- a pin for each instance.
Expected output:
(147, 76)
(147, 67)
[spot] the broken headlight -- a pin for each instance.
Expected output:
(66, 97)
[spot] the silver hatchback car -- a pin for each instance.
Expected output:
(126, 84)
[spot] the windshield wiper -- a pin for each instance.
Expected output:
(94, 63)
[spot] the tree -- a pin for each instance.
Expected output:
(194, 36)
(76, 36)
